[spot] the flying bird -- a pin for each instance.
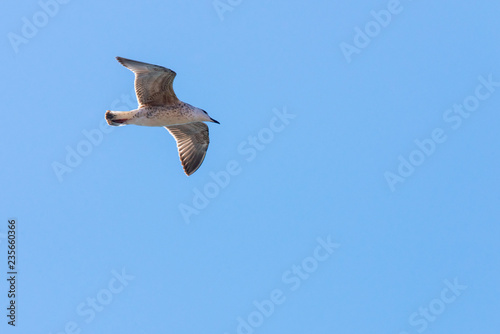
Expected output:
(159, 106)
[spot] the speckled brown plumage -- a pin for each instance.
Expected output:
(159, 106)
(192, 142)
(153, 83)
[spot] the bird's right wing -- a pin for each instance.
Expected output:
(153, 83)
(192, 142)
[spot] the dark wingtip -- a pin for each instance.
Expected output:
(120, 60)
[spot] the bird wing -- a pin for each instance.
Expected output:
(153, 83)
(192, 143)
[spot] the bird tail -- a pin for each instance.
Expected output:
(117, 118)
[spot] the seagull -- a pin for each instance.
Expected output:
(158, 106)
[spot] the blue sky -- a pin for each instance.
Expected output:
(351, 186)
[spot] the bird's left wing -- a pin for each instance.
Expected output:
(192, 142)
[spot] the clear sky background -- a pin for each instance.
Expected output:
(369, 205)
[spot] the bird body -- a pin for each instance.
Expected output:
(159, 106)
(178, 113)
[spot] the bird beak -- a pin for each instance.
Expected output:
(213, 120)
